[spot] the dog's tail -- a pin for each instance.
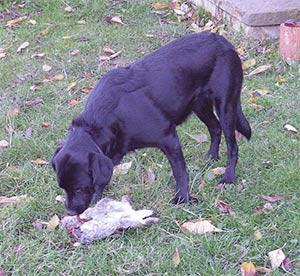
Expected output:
(242, 125)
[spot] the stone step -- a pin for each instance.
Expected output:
(259, 19)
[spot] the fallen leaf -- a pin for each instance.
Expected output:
(69, 9)
(219, 170)
(176, 258)
(287, 265)
(3, 144)
(32, 22)
(38, 55)
(56, 77)
(260, 92)
(81, 22)
(2, 55)
(47, 68)
(272, 199)
(66, 37)
(71, 86)
(35, 88)
(102, 58)
(267, 207)
(45, 124)
(34, 102)
(73, 102)
(224, 207)
(248, 269)
(15, 21)
(86, 89)
(202, 185)
(260, 69)
(115, 55)
(248, 63)
(199, 137)
(74, 52)
(108, 50)
(114, 19)
(14, 199)
(23, 46)
(53, 222)
(40, 161)
(122, 169)
(199, 226)
(263, 270)
(44, 32)
(291, 129)
(276, 257)
(158, 5)
(60, 198)
(252, 100)
(258, 235)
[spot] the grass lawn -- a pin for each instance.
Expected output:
(44, 85)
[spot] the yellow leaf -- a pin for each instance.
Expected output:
(257, 235)
(199, 226)
(53, 222)
(86, 89)
(32, 22)
(260, 69)
(23, 46)
(67, 37)
(71, 86)
(249, 63)
(81, 22)
(158, 5)
(40, 161)
(219, 170)
(248, 269)
(44, 32)
(176, 258)
(252, 100)
(58, 77)
(276, 258)
(18, 20)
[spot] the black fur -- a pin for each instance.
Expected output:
(140, 106)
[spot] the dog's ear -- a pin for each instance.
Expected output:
(101, 168)
(52, 159)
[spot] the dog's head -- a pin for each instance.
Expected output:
(83, 175)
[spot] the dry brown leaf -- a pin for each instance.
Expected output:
(15, 21)
(38, 55)
(160, 6)
(248, 269)
(263, 270)
(291, 129)
(122, 169)
(23, 46)
(115, 55)
(149, 177)
(276, 258)
(34, 102)
(199, 226)
(56, 77)
(260, 69)
(260, 92)
(224, 207)
(176, 258)
(272, 199)
(114, 19)
(40, 161)
(86, 89)
(53, 222)
(202, 185)
(14, 199)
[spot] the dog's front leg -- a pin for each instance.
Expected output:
(172, 149)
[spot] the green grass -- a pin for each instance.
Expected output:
(268, 164)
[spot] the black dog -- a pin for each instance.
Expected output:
(140, 106)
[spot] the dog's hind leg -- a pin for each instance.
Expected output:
(171, 147)
(226, 82)
(203, 108)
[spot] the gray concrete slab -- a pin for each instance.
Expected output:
(258, 18)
